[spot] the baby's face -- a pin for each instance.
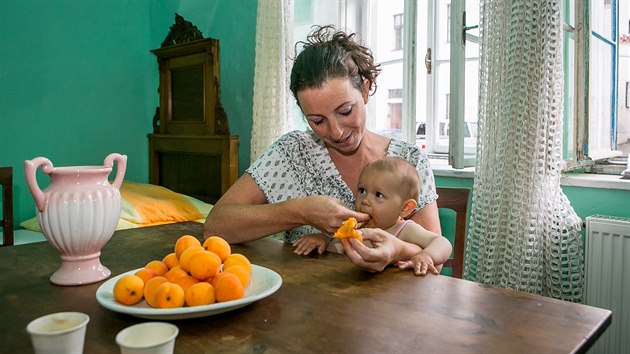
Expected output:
(378, 196)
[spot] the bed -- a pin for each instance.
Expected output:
(142, 204)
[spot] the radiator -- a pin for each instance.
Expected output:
(608, 278)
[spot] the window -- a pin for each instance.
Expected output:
(398, 31)
(594, 128)
(595, 67)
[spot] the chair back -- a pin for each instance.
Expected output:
(6, 221)
(456, 199)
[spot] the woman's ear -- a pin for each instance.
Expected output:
(408, 207)
(366, 90)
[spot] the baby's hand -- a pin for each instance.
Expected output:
(305, 244)
(421, 263)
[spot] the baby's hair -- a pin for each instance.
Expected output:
(401, 168)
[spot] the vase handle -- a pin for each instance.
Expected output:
(122, 167)
(30, 168)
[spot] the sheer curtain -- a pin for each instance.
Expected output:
(272, 98)
(523, 231)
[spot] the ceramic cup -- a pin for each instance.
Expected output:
(148, 338)
(61, 332)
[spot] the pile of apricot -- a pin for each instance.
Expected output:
(194, 274)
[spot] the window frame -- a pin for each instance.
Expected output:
(582, 159)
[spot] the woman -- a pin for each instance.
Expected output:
(305, 182)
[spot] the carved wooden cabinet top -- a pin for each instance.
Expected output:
(189, 84)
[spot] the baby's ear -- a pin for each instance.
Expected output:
(408, 207)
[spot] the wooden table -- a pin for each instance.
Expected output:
(325, 304)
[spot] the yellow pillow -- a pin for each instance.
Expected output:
(147, 204)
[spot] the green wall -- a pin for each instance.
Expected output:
(78, 81)
(585, 201)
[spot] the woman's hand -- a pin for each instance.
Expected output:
(327, 213)
(246, 202)
(386, 250)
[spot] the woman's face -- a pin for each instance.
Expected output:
(379, 197)
(336, 113)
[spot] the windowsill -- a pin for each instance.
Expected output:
(441, 168)
(593, 180)
(590, 180)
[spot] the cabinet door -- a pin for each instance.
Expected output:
(189, 87)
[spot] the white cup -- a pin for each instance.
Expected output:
(148, 338)
(61, 332)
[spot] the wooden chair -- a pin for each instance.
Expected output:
(6, 223)
(456, 199)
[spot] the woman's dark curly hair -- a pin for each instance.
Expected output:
(329, 53)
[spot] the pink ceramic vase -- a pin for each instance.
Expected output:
(78, 213)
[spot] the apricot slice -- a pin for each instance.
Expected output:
(348, 230)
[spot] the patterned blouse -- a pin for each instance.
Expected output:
(298, 165)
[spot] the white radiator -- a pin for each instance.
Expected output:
(608, 278)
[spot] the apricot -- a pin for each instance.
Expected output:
(219, 246)
(240, 271)
(237, 259)
(184, 242)
(199, 294)
(150, 287)
(228, 287)
(204, 265)
(128, 290)
(160, 267)
(175, 273)
(216, 278)
(168, 295)
(194, 274)
(187, 255)
(186, 281)
(146, 274)
(170, 260)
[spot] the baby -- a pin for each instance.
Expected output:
(388, 191)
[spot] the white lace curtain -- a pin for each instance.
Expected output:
(523, 231)
(272, 98)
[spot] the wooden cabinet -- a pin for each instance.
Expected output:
(202, 166)
(191, 150)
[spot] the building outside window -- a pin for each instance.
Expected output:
(398, 32)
